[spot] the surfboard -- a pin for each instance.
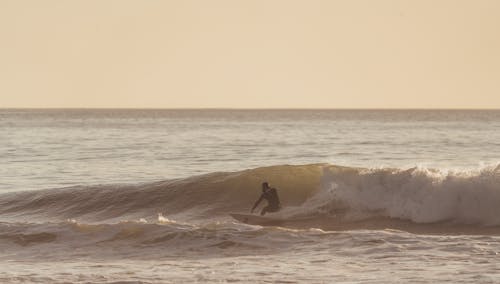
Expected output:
(257, 220)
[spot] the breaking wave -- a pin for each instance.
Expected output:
(418, 194)
(313, 196)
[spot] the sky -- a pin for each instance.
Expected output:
(250, 54)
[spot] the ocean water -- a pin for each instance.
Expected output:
(143, 196)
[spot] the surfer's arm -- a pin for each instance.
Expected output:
(257, 203)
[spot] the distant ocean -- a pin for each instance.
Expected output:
(143, 196)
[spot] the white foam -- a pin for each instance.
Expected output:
(162, 219)
(418, 194)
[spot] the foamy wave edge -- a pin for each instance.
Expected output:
(417, 194)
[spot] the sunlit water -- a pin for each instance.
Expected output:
(98, 178)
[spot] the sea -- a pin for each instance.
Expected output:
(144, 196)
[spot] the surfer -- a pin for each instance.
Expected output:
(271, 195)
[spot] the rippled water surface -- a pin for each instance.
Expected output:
(54, 148)
(371, 196)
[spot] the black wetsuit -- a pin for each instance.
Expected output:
(273, 201)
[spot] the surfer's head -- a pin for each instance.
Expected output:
(265, 186)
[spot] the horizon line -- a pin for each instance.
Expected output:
(228, 108)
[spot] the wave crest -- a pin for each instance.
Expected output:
(319, 193)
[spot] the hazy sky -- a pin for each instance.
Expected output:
(250, 54)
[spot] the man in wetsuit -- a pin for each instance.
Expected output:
(269, 194)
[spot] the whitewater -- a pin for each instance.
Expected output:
(143, 196)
